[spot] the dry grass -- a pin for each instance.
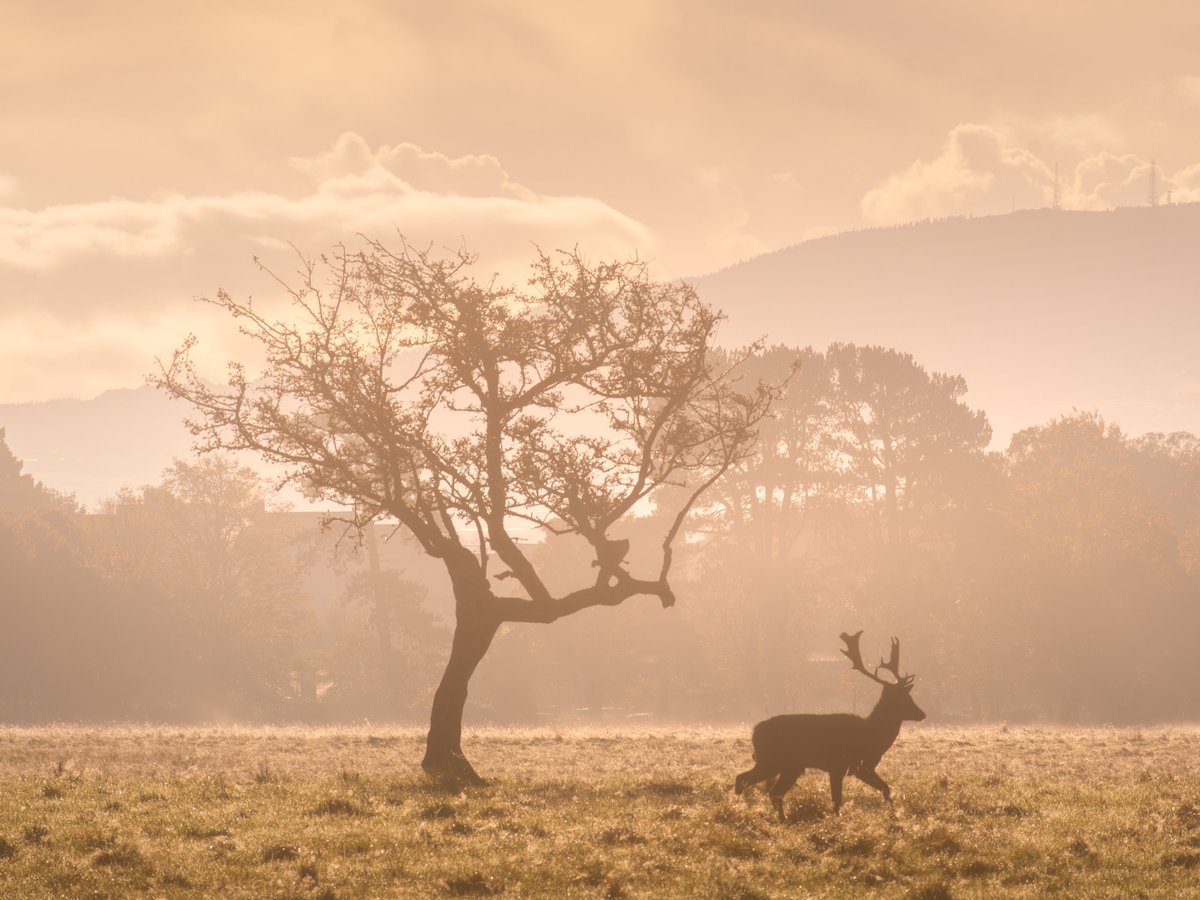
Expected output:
(343, 813)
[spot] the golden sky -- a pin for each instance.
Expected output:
(149, 150)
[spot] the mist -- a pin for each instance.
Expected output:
(658, 449)
(1053, 581)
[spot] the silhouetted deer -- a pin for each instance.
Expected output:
(838, 743)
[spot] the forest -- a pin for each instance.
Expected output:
(1054, 581)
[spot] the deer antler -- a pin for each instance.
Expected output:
(893, 663)
(854, 654)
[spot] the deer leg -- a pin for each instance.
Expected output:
(751, 777)
(871, 777)
(786, 779)
(835, 788)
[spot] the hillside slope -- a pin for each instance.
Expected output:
(92, 448)
(1042, 311)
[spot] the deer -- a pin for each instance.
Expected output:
(838, 743)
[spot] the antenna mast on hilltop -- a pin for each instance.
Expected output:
(1153, 182)
(1057, 191)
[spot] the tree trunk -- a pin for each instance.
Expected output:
(473, 635)
(478, 615)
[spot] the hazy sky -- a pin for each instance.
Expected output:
(149, 150)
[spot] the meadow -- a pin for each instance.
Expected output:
(324, 813)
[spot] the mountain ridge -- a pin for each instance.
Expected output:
(1041, 311)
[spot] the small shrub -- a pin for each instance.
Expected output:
(7, 850)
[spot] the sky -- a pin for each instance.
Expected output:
(149, 152)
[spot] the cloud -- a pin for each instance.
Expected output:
(1105, 181)
(432, 172)
(980, 170)
(1185, 184)
(720, 229)
(109, 273)
(983, 170)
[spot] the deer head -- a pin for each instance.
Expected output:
(897, 695)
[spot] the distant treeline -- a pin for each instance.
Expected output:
(1059, 580)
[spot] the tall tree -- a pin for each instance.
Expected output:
(462, 407)
(231, 573)
(765, 552)
(1106, 579)
(20, 492)
(901, 430)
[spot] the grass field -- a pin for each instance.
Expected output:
(345, 813)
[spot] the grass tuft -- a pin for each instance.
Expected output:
(1183, 859)
(671, 788)
(473, 885)
(933, 890)
(280, 853)
(437, 811)
(120, 855)
(611, 837)
(339, 806)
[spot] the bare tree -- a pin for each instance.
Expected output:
(467, 409)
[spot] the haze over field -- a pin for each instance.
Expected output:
(974, 224)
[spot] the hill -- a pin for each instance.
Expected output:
(1041, 311)
(92, 448)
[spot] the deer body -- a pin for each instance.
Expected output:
(837, 743)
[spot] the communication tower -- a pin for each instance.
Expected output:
(1057, 191)
(1153, 182)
